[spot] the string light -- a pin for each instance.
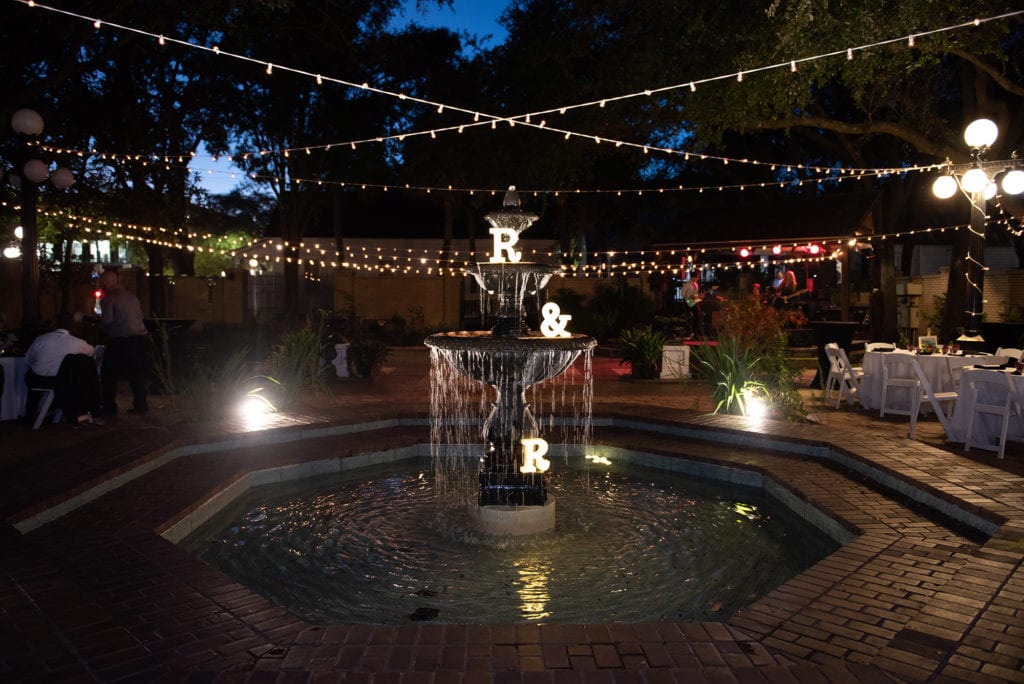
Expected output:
(646, 92)
(601, 102)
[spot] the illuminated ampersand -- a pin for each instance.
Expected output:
(504, 240)
(534, 449)
(555, 322)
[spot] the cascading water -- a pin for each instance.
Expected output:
(514, 361)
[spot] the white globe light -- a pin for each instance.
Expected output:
(975, 180)
(12, 252)
(989, 191)
(62, 178)
(36, 171)
(981, 133)
(1013, 182)
(19, 232)
(27, 122)
(944, 187)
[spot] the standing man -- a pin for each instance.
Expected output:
(121, 319)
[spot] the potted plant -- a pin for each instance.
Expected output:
(641, 349)
(366, 355)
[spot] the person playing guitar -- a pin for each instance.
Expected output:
(787, 290)
(690, 294)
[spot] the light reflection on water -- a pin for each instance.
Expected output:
(376, 548)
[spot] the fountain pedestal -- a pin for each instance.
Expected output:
(513, 520)
(513, 496)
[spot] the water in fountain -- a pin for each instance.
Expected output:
(375, 545)
(512, 360)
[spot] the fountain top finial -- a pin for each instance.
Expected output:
(511, 200)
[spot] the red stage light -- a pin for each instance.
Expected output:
(777, 249)
(744, 252)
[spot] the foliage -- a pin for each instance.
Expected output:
(215, 387)
(365, 355)
(295, 364)
(613, 308)
(731, 370)
(162, 363)
(793, 318)
(936, 318)
(1012, 314)
(212, 385)
(214, 259)
(642, 348)
(750, 355)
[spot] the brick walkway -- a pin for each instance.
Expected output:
(90, 591)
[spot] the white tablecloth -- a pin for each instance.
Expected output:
(12, 403)
(940, 369)
(965, 405)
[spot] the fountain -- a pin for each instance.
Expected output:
(513, 496)
(461, 538)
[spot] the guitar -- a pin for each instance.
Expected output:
(786, 298)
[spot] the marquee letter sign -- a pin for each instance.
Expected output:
(534, 449)
(504, 240)
(554, 322)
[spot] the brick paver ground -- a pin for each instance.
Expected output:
(91, 591)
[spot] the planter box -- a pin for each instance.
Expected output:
(801, 337)
(675, 362)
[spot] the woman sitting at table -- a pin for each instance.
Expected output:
(60, 361)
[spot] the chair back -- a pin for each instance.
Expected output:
(831, 350)
(844, 360)
(990, 390)
(934, 399)
(1011, 352)
(899, 366)
(991, 394)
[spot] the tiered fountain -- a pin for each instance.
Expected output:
(513, 496)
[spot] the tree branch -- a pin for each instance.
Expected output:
(1001, 80)
(920, 142)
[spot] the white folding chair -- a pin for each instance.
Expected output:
(44, 406)
(843, 378)
(879, 346)
(902, 371)
(991, 395)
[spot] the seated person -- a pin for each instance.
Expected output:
(60, 361)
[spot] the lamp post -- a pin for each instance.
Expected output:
(28, 124)
(977, 181)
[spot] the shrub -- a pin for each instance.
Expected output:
(731, 371)
(751, 356)
(295, 364)
(641, 349)
(366, 355)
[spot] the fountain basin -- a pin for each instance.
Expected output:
(630, 545)
(524, 360)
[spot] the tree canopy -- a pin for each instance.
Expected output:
(321, 100)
